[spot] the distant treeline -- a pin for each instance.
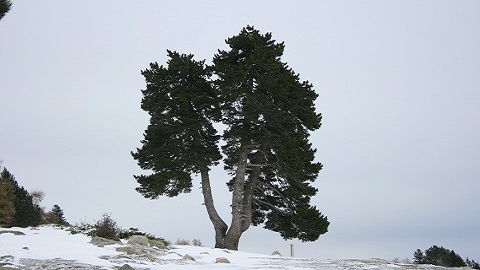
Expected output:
(442, 257)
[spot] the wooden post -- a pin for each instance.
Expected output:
(291, 250)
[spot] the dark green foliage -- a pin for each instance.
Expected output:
(84, 228)
(472, 263)
(106, 228)
(27, 213)
(4, 7)
(306, 224)
(439, 256)
(268, 114)
(180, 138)
(267, 109)
(59, 217)
(418, 257)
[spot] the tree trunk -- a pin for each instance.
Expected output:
(235, 231)
(249, 188)
(242, 198)
(218, 224)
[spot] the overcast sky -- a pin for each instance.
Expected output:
(399, 91)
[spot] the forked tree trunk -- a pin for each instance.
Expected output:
(245, 206)
(235, 231)
(219, 225)
(242, 198)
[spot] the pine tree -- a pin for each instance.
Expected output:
(472, 263)
(418, 257)
(59, 216)
(268, 114)
(27, 213)
(439, 256)
(4, 7)
(7, 197)
(180, 139)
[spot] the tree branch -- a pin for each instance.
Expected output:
(278, 192)
(273, 207)
(258, 165)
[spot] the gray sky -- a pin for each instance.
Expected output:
(399, 86)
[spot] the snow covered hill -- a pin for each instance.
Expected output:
(49, 247)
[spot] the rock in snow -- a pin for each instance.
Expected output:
(222, 260)
(138, 240)
(101, 242)
(188, 257)
(277, 253)
(54, 248)
(126, 267)
(156, 243)
(12, 232)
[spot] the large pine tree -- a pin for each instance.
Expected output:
(268, 114)
(180, 139)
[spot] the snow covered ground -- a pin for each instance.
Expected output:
(49, 247)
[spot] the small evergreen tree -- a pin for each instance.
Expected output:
(58, 213)
(4, 7)
(454, 260)
(418, 257)
(472, 263)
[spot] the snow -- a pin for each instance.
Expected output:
(51, 243)
(48, 247)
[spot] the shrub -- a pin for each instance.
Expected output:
(84, 228)
(182, 242)
(197, 243)
(106, 228)
(49, 218)
(125, 234)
